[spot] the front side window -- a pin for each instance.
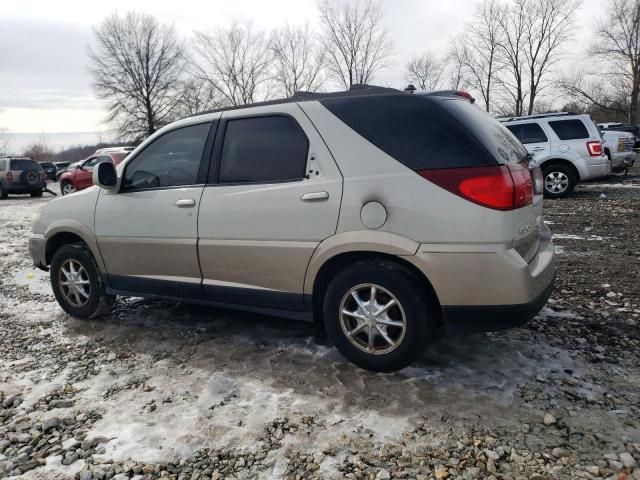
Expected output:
(91, 162)
(569, 129)
(528, 133)
(263, 149)
(169, 161)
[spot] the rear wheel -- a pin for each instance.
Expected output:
(559, 180)
(377, 315)
(77, 284)
(67, 188)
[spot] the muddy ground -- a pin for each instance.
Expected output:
(164, 390)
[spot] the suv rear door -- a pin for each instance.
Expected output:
(147, 231)
(273, 195)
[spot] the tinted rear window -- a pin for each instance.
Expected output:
(412, 129)
(495, 137)
(569, 129)
(25, 165)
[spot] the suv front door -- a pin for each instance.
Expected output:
(147, 231)
(533, 137)
(273, 195)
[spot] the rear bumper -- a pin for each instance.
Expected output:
(488, 287)
(590, 168)
(462, 320)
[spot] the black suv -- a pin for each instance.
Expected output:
(21, 175)
(50, 170)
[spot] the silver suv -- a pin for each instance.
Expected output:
(20, 175)
(384, 216)
(567, 147)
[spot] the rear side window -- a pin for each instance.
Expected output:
(569, 129)
(169, 161)
(412, 129)
(528, 133)
(263, 149)
(25, 165)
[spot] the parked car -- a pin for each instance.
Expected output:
(620, 127)
(19, 176)
(618, 147)
(50, 170)
(78, 176)
(567, 147)
(386, 217)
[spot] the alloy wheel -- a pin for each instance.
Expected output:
(68, 188)
(372, 319)
(74, 283)
(556, 182)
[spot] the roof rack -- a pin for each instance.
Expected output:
(537, 115)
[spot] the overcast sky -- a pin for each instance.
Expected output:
(45, 87)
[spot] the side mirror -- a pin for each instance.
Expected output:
(79, 167)
(105, 176)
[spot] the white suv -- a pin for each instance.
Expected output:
(384, 216)
(567, 147)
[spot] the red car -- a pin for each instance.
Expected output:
(78, 177)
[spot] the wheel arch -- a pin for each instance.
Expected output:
(339, 261)
(60, 235)
(561, 161)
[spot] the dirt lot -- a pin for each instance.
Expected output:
(158, 389)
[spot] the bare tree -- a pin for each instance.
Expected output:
(476, 51)
(548, 26)
(198, 96)
(235, 62)
(136, 66)
(618, 47)
(513, 77)
(356, 42)
(298, 60)
(5, 141)
(39, 150)
(605, 94)
(426, 71)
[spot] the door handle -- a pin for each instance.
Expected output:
(315, 197)
(185, 203)
(537, 149)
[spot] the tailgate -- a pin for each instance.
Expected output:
(528, 225)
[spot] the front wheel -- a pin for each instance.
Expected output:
(559, 180)
(77, 284)
(378, 316)
(67, 188)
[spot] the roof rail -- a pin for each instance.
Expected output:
(536, 115)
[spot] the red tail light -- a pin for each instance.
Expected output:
(501, 187)
(595, 148)
(9, 176)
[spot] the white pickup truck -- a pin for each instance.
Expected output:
(618, 146)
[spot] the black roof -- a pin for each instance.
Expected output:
(355, 91)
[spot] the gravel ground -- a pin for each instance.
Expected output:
(164, 390)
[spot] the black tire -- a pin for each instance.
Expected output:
(98, 302)
(3, 193)
(405, 286)
(558, 171)
(36, 193)
(30, 178)
(62, 188)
